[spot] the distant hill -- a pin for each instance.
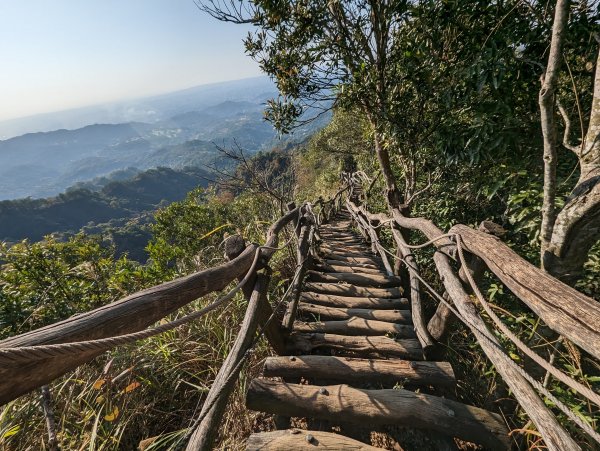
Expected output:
(117, 202)
(44, 164)
(147, 109)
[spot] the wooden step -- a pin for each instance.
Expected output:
(365, 265)
(359, 371)
(332, 300)
(297, 439)
(342, 236)
(322, 312)
(356, 326)
(380, 407)
(329, 246)
(353, 259)
(343, 289)
(360, 346)
(365, 280)
(322, 267)
(345, 252)
(333, 241)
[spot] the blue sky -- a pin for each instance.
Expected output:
(60, 54)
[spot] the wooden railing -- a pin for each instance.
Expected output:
(566, 311)
(34, 359)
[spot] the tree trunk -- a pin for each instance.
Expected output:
(577, 225)
(393, 195)
(547, 102)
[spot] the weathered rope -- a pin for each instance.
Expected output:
(39, 352)
(237, 368)
(29, 353)
(580, 388)
(490, 339)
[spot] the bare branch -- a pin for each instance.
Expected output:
(412, 198)
(233, 11)
(563, 113)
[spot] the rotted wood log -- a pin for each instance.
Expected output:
(380, 407)
(297, 439)
(562, 308)
(352, 290)
(322, 312)
(354, 302)
(555, 437)
(323, 267)
(356, 326)
(406, 348)
(218, 396)
(358, 371)
(365, 280)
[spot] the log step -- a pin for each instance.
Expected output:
(365, 280)
(345, 248)
(346, 252)
(353, 259)
(351, 290)
(356, 326)
(377, 267)
(298, 439)
(380, 407)
(322, 267)
(377, 346)
(359, 371)
(342, 239)
(341, 236)
(332, 300)
(322, 312)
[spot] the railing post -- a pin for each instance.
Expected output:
(218, 396)
(303, 258)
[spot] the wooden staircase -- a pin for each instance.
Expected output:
(355, 366)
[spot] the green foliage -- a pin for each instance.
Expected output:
(153, 388)
(76, 208)
(318, 165)
(44, 282)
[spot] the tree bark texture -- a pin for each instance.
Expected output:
(547, 117)
(577, 225)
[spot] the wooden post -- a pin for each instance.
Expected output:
(233, 244)
(218, 396)
(423, 335)
(302, 254)
(555, 437)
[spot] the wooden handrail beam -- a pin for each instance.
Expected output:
(562, 308)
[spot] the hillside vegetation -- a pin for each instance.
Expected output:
(439, 103)
(120, 209)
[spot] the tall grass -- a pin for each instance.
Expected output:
(150, 390)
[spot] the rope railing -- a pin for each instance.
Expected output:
(33, 359)
(524, 386)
